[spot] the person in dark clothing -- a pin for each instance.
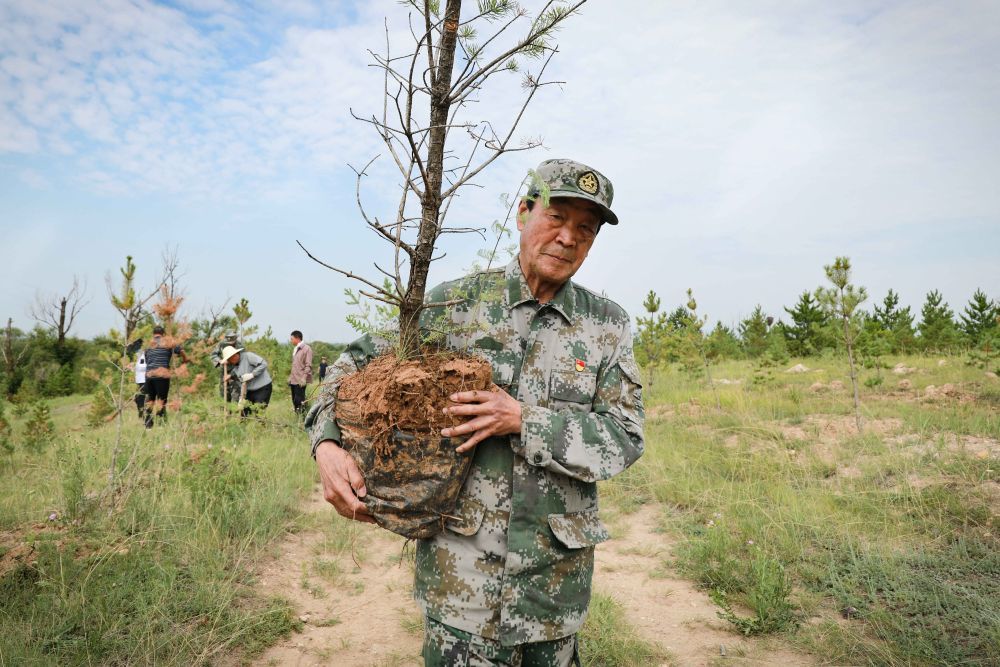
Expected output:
(322, 368)
(158, 356)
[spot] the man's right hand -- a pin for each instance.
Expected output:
(343, 484)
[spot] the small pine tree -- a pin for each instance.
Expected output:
(723, 343)
(753, 332)
(651, 337)
(695, 340)
(243, 314)
(979, 318)
(841, 302)
(938, 332)
(806, 335)
(39, 429)
(898, 322)
(874, 342)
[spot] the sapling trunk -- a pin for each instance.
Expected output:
(849, 341)
(430, 203)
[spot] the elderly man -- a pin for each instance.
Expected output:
(508, 580)
(247, 368)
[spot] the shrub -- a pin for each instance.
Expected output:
(39, 428)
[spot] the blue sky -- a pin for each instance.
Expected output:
(749, 144)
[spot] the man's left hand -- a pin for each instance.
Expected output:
(493, 413)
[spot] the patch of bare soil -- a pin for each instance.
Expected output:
(979, 447)
(355, 618)
(366, 616)
(16, 549)
(822, 435)
(673, 612)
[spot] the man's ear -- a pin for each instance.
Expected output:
(522, 215)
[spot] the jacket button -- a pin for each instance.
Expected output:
(539, 457)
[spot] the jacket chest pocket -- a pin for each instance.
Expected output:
(574, 390)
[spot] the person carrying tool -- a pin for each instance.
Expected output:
(248, 378)
(231, 339)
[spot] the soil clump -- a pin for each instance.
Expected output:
(390, 415)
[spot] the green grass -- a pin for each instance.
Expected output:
(160, 573)
(786, 514)
(607, 640)
(780, 511)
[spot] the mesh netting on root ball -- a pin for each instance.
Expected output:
(390, 415)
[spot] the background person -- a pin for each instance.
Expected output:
(140, 381)
(247, 367)
(158, 356)
(301, 375)
(322, 368)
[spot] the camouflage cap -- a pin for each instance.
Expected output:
(568, 178)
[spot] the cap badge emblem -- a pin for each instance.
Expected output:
(588, 182)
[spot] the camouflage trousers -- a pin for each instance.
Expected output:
(445, 646)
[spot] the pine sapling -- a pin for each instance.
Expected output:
(841, 301)
(698, 341)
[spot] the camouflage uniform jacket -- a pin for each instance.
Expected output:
(515, 563)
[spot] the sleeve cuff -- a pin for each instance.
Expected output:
(330, 432)
(537, 428)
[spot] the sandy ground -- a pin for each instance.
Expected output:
(364, 616)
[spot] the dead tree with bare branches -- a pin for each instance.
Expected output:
(58, 313)
(431, 128)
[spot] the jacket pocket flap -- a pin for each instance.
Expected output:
(576, 387)
(579, 529)
(467, 517)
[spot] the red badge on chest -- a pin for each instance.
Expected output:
(580, 366)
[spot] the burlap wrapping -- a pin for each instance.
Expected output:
(413, 487)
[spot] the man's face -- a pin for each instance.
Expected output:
(556, 239)
(233, 360)
(295, 340)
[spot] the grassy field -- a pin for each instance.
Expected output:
(879, 547)
(161, 573)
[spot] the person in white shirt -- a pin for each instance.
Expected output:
(140, 382)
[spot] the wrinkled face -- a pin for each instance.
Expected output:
(556, 239)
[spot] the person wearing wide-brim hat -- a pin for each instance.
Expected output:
(249, 368)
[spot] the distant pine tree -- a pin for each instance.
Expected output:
(937, 328)
(651, 340)
(753, 332)
(680, 319)
(807, 335)
(723, 343)
(896, 321)
(979, 318)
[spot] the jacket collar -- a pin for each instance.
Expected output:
(518, 292)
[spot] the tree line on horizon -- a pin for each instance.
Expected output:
(810, 328)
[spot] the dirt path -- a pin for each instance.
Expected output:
(365, 617)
